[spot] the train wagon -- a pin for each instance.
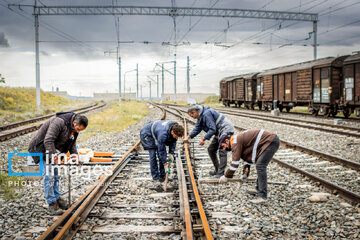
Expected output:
(239, 90)
(316, 84)
(223, 92)
(351, 86)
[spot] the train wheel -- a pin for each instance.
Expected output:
(281, 108)
(346, 113)
(327, 112)
(315, 112)
(288, 109)
(333, 113)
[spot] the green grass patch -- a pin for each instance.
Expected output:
(8, 185)
(18, 104)
(115, 118)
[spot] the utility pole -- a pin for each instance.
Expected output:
(150, 89)
(37, 64)
(137, 81)
(119, 80)
(141, 91)
(157, 84)
(315, 39)
(175, 79)
(162, 81)
(188, 77)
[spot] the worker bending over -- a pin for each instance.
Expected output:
(214, 124)
(254, 147)
(154, 137)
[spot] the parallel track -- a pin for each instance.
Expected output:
(6, 135)
(325, 127)
(352, 196)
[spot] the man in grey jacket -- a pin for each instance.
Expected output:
(57, 135)
(214, 124)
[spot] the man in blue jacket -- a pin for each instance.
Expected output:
(214, 124)
(154, 137)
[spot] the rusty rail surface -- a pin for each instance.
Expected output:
(204, 221)
(66, 226)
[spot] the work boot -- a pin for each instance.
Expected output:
(54, 209)
(62, 204)
(212, 172)
(252, 192)
(258, 200)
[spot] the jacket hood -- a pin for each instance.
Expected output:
(68, 118)
(203, 109)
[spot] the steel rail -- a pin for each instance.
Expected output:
(66, 226)
(283, 121)
(203, 217)
(349, 195)
(32, 120)
(33, 128)
(330, 157)
(295, 120)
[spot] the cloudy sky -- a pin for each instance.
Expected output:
(74, 50)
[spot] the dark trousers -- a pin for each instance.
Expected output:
(154, 168)
(261, 165)
(212, 150)
(148, 143)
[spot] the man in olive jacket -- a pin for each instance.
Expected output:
(57, 135)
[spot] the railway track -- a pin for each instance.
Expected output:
(21, 128)
(325, 127)
(349, 119)
(335, 174)
(37, 119)
(122, 204)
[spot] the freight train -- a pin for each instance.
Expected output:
(328, 85)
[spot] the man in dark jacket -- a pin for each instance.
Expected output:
(214, 124)
(154, 137)
(57, 135)
(254, 147)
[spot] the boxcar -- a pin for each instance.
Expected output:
(239, 90)
(351, 88)
(316, 84)
(226, 91)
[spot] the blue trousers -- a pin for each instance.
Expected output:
(155, 165)
(51, 179)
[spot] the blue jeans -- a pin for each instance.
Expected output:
(155, 165)
(51, 183)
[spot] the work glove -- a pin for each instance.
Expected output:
(246, 171)
(223, 179)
